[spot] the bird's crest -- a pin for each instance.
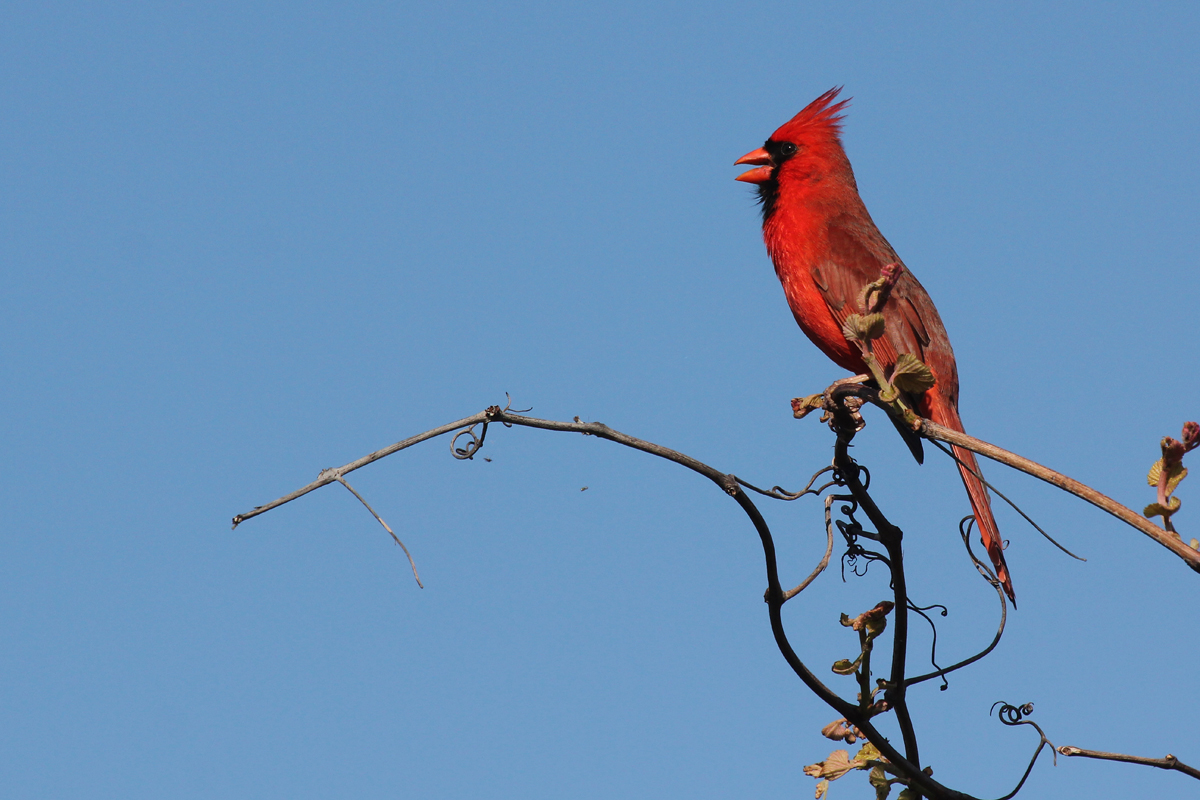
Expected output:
(821, 116)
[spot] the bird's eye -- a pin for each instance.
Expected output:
(787, 148)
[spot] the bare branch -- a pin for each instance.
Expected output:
(779, 493)
(328, 476)
(934, 432)
(1167, 762)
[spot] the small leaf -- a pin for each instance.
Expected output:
(845, 666)
(846, 621)
(909, 794)
(879, 779)
(869, 752)
(876, 626)
(1156, 510)
(834, 729)
(863, 328)
(1175, 477)
(1155, 472)
(910, 375)
(822, 788)
(1176, 474)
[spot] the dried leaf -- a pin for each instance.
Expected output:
(841, 730)
(833, 767)
(833, 729)
(803, 406)
(910, 375)
(863, 328)
(822, 788)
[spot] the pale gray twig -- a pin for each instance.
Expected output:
(1167, 762)
(328, 476)
(411, 563)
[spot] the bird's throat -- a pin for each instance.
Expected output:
(768, 195)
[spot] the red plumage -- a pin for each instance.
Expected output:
(826, 249)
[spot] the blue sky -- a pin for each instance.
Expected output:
(243, 242)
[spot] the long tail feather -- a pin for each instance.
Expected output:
(945, 414)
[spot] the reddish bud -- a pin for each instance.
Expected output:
(1172, 451)
(875, 294)
(1191, 435)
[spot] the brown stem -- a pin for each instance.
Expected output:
(1167, 762)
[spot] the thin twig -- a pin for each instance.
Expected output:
(1167, 762)
(328, 476)
(411, 563)
(790, 593)
(779, 493)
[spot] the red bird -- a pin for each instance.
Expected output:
(826, 249)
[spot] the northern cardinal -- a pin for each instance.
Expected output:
(826, 249)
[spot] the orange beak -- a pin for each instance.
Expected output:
(760, 175)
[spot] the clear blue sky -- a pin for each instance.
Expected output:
(243, 242)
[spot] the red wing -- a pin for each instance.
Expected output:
(857, 255)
